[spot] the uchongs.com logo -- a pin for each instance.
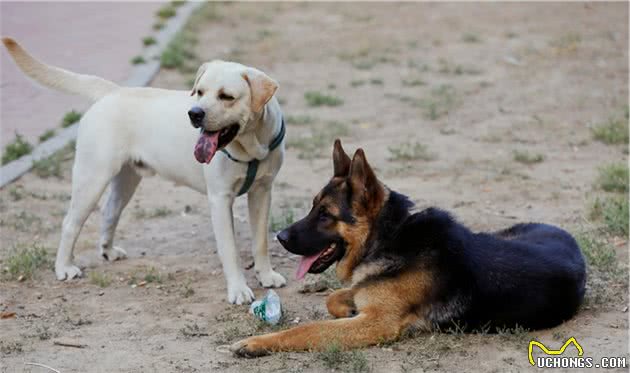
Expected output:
(561, 358)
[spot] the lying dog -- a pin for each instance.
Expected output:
(130, 132)
(420, 269)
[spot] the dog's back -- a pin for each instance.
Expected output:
(529, 275)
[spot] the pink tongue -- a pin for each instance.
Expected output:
(305, 265)
(206, 146)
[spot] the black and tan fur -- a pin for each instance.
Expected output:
(420, 269)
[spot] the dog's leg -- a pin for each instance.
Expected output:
(259, 203)
(87, 188)
(368, 328)
(223, 225)
(122, 187)
(341, 303)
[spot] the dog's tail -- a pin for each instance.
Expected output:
(90, 86)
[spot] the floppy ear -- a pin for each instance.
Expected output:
(202, 69)
(261, 86)
(341, 161)
(363, 180)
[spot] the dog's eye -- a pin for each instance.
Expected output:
(199, 92)
(225, 97)
(323, 214)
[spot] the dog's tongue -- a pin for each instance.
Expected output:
(206, 146)
(305, 264)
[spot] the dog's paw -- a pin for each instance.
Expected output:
(249, 347)
(240, 294)
(113, 254)
(67, 272)
(271, 279)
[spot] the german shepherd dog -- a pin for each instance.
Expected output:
(420, 269)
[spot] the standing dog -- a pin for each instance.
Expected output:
(129, 132)
(420, 269)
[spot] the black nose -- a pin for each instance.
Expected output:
(196, 115)
(283, 237)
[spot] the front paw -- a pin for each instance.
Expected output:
(67, 272)
(113, 254)
(250, 347)
(240, 293)
(271, 279)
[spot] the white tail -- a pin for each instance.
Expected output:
(90, 86)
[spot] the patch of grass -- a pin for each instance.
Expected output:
(413, 82)
(178, 3)
(158, 25)
(286, 218)
(408, 151)
(138, 60)
(525, 157)
(16, 149)
(166, 12)
(377, 81)
(158, 212)
(316, 99)
(100, 279)
(613, 178)
(299, 120)
(567, 42)
(611, 132)
(319, 139)
(613, 211)
(470, 37)
(179, 51)
(24, 261)
(51, 166)
(46, 135)
(148, 40)
(70, 118)
(153, 275)
(599, 254)
(333, 357)
(23, 221)
(230, 335)
(441, 101)
(43, 333)
(188, 291)
(193, 330)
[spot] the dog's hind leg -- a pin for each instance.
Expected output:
(259, 203)
(87, 188)
(122, 187)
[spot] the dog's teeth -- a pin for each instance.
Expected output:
(333, 245)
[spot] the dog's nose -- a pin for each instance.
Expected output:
(283, 237)
(196, 115)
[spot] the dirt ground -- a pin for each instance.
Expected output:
(471, 84)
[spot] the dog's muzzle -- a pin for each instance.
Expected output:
(196, 115)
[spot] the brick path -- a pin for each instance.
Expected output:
(94, 38)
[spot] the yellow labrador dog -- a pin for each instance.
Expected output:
(130, 132)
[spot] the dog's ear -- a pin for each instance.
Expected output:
(341, 161)
(363, 181)
(261, 86)
(202, 69)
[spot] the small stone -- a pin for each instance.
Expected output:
(101, 293)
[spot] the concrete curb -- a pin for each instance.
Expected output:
(141, 75)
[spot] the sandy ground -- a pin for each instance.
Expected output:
(473, 83)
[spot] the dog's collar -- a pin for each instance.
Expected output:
(252, 166)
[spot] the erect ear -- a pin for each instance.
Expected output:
(363, 180)
(262, 88)
(202, 69)
(341, 161)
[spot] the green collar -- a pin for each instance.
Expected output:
(252, 166)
